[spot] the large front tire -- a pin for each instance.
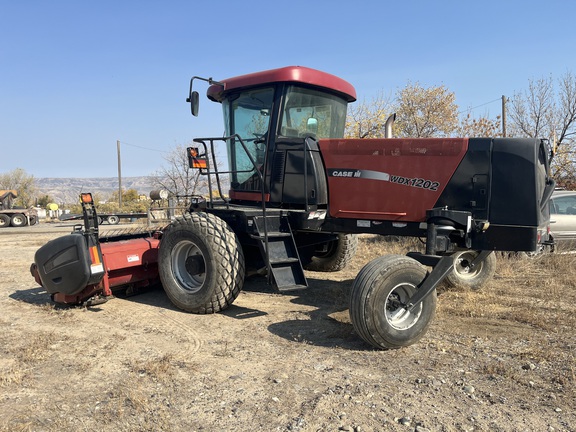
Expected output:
(201, 264)
(466, 277)
(378, 293)
(336, 256)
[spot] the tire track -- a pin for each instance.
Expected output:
(159, 325)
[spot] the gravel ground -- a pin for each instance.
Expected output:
(501, 359)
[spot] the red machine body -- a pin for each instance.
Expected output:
(393, 179)
(129, 263)
(84, 267)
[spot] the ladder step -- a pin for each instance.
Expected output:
(279, 248)
(276, 262)
(292, 288)
(271, 235)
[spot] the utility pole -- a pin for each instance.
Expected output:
(504, 116)
(119, 177)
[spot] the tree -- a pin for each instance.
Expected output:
(425, 112)
(128, 196)
(130, 202)
(532, 111)
(367, 119)
(479, 127)
(23, 183)
(547, 109)
(44, 200)
(177, 177)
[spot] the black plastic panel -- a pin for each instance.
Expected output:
(64, 264)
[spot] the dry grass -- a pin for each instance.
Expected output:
(162, 368)
(538, 291)
(34, 348)
(531, 302)
(23, 355)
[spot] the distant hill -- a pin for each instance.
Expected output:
(67, 190)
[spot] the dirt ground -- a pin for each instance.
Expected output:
(502, 359)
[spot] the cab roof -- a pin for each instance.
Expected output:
(295, 74)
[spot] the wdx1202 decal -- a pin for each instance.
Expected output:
(377, 175)
(415, 182)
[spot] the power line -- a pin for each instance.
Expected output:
(479, 106)
(141, 147)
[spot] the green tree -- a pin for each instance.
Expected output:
(128, 196)
(23, 183)
(130, 202)
(44, 200)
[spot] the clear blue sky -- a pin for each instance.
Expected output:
(75, 76)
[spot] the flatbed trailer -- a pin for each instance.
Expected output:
(110, 218)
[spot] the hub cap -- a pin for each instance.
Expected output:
(179, 255)
(396, 315)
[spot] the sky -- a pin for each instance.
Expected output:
(78, 76)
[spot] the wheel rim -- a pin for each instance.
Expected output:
(18, 220)
(462, 265)
(396, 315)
(179, 254)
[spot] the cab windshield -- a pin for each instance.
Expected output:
(247, 115)
(311, 112)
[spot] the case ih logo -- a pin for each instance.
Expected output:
(377, 175)
(345, 173)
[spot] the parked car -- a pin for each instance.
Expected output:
(563, 216)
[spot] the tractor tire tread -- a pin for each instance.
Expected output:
(343, 253)
(228, 260)
(364, 320)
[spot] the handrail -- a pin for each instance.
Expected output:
(217, 174)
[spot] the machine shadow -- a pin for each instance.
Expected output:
(35, 296)
(329, 324)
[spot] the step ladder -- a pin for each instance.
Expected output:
(284, 262)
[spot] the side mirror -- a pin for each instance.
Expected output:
(194, 100)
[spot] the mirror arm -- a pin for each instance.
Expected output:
(193, 97)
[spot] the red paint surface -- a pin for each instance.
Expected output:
(429, 159)
(121, 268)
(296, 74)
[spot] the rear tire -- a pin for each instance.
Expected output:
(18, 220)
(338, 255)
(474, 279)
(201, 263)
(375, 302)
(4, 221)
